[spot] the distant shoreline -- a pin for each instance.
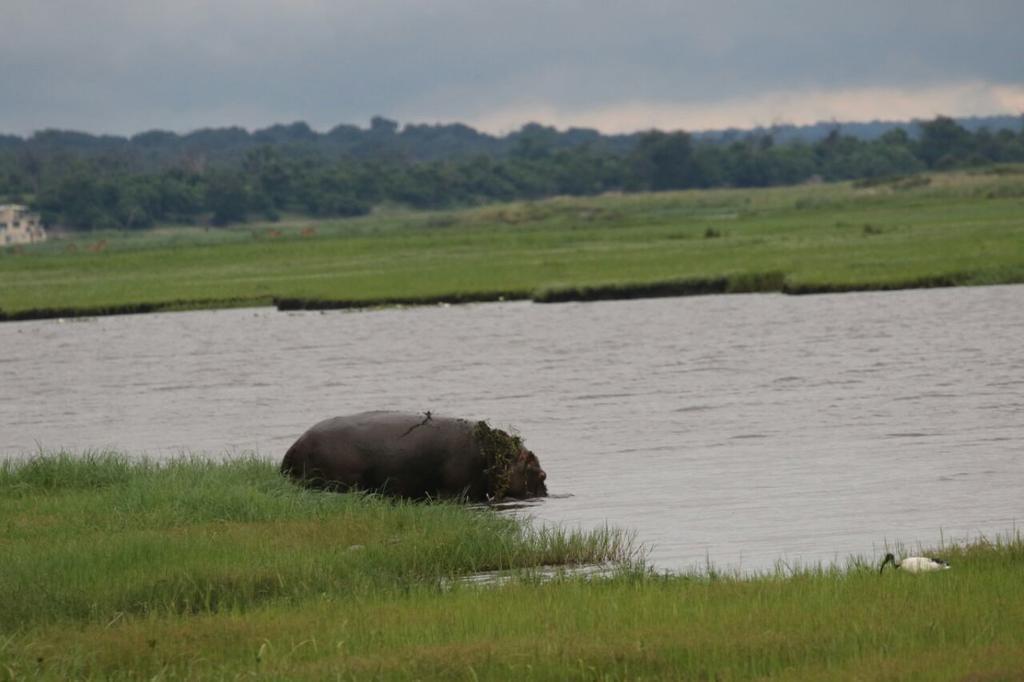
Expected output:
(586, 294)
(940, 230)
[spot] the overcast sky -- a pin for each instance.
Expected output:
(125, 66)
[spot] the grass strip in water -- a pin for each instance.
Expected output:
(352, 304)
(954, 279)
(740, 283)
(129, 309)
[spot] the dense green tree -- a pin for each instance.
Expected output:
(227, 197)
(663, 161)
(535, 141)
(225, 175)
(943, 143)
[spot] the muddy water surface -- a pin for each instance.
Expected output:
(744, 429)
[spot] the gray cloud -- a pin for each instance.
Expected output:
(122, 66)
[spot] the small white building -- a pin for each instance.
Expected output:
(18, 225)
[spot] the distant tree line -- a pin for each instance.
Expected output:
(229, 175)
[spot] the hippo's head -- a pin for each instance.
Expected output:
(509, 468)
(527, 478)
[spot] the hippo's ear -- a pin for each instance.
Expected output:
(528, 460)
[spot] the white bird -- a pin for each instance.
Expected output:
(914, 564)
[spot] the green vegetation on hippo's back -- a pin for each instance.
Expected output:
(112, 568)
(500, 451)
(955, 229)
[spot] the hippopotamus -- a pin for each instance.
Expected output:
(415, 456)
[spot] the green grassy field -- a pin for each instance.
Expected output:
(192, 570)
(942, 229)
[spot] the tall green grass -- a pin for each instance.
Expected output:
(112, 568)
(88, 537)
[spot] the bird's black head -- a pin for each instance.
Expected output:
(889, 559)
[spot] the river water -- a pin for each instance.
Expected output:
(740, 429)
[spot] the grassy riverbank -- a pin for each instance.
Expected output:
(115, 570)
(932, 230)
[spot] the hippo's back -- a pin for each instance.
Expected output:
(411, 455)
